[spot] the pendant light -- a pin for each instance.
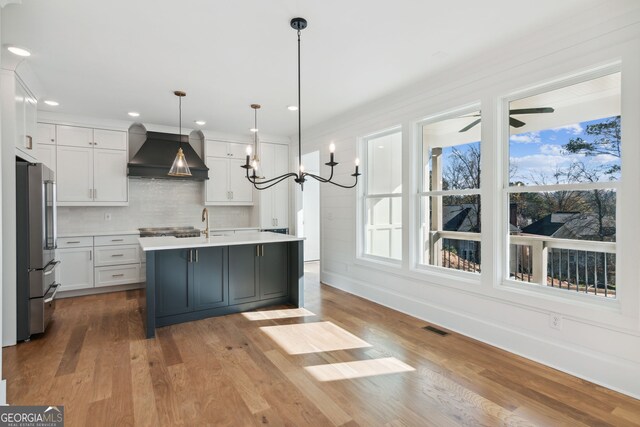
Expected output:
(255, 159)
(180, 166)
(297, 24)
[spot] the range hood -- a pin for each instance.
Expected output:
(155, 157)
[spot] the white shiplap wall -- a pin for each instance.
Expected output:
(598, 342)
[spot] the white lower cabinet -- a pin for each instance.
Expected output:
(76, 268)
(100, 261)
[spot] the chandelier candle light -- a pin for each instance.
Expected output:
(180, 166)
(260, 183)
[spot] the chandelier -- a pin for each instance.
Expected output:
(262, 183)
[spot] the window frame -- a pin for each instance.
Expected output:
(364, 196)
(422, 193)
(504, 134)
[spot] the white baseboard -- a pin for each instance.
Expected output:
(611, 372)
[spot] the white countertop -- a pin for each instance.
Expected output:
(99, 233)
(170, 242)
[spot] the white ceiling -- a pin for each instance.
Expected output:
(105, 58)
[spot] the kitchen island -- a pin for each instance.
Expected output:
(198, 277)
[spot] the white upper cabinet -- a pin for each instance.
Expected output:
(109, 139)
(91, 166)
(274, 202)
(227, 184)
(75, 136)
(74, 174)
(109, 175)
(45, 144)
(45, 134)
(25, 108)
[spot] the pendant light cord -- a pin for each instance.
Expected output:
(299, 113)
(180, 121)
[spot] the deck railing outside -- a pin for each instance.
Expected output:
(574, 265)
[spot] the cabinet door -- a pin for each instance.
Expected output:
(215, 149)
(45, 134)
(110, 139)
(241, 189)
(74, 174)
(30, 112)
(281, 191)
(267, 165)
(74, 136)
(217, 186)
(210, 285)
(110, 176)
(20, 101)
(243, 264)
(274, 271)
(172, 282)
(237, 151)
(46, 154)
(76, 268)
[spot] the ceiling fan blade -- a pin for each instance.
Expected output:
(516, 123)
(469, 126)
(532, 110)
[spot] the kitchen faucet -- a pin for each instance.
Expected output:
(205, 217)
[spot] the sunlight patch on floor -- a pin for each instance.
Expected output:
(358, 369)
(277, 314)
(314, 337)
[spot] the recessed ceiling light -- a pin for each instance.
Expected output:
(18, 51)
(51, 102)
(133, 114)
(200, 122)
(253, 130)
(292, 108)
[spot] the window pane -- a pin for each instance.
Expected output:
(451, 232)
(564, 239)
(451, 153)
(383, 237)
(384, 164)
(567, 135)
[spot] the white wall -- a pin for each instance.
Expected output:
(598, 341)
(310, 227)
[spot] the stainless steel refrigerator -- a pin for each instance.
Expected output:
(36, 242)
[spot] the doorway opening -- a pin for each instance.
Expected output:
(310, 218)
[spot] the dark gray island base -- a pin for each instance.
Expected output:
(194, 283)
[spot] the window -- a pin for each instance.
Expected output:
(383, 196)
(450, 194)
(564, 169)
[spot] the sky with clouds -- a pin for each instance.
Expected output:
(536, 156)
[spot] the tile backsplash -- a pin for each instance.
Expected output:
(153, 203)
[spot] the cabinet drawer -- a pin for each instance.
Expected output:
(117, 275)
(115, 255)
(74, 136)
(122, 239)
(74, 242)
(110, 139)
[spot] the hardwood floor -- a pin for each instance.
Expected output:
(342, 361)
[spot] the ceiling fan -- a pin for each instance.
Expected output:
(512, 121)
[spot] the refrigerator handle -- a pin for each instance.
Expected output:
(54, 191)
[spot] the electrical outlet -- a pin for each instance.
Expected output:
(555, 321)
(107, 216)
